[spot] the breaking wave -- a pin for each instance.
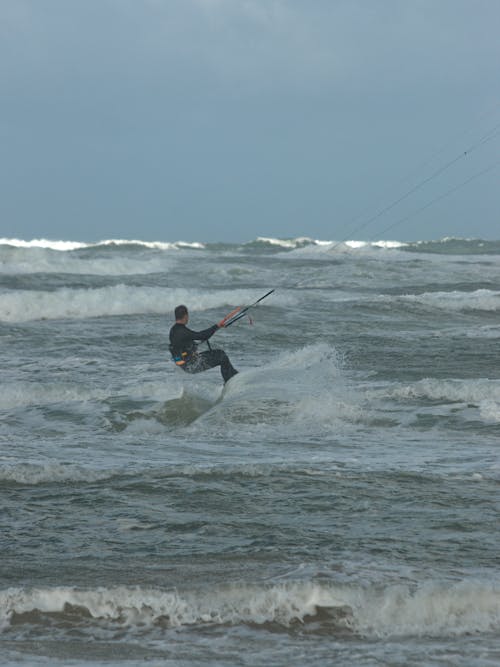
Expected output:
(76, 245)
(373, 611)
(448, 245)
(27, 305)
(481, 393)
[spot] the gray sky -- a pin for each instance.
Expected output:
(224, 120)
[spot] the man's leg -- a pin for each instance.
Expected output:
(226, 368)
(210, 359)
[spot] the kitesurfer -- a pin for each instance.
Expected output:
(184, 349)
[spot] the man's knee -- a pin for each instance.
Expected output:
(218, 356)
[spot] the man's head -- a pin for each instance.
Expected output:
(181, 314)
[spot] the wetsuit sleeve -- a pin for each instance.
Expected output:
(202, 335)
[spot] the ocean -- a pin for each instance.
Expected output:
(336, 503)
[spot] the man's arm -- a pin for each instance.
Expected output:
(203, 335)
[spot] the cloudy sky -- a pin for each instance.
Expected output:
(224, 120)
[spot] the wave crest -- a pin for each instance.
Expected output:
(391, 611)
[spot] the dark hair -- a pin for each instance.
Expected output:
(180, 312)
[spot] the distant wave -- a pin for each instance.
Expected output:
(456, 246)
(43, 243)
(76, 245)
(448, 245)
(285, 243)
(481, 299)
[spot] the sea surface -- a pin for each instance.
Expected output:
(336, 503)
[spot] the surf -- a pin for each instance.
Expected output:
(378, 611)
(308, 387)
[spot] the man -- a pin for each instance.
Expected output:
(184, 349)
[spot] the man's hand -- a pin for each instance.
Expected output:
(222, 323)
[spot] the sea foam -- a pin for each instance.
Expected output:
(306, 387)
(47, 473)
(375, 611)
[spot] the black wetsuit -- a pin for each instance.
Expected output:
(185, 353)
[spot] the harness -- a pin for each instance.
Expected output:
(183, 357)
(180, 361)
